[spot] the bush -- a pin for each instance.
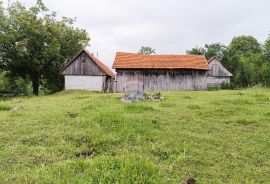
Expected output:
(227, 85)
(14, 85)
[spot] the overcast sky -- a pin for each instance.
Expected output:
(169, 26)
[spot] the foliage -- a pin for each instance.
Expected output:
(266, 49)
(147, 50)
(245, 58)
(211, 136)
(241, 46)
(14, 85)
(35, 43)
(209, 50)
(248, 61)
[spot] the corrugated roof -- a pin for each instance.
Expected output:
(140, 61)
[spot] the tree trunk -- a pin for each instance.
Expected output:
(35, 84)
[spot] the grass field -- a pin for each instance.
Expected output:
(84, 137)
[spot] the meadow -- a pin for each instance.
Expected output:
(86, 137)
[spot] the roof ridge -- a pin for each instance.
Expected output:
(104, 67)
(131, 53)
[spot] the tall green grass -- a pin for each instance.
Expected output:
(84, 137)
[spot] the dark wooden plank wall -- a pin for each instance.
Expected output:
(88, 67)
(160, 80)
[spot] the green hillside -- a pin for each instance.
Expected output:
(84, 137)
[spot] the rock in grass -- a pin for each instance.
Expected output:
(140, 96)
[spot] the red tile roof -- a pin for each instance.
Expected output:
(131, 60)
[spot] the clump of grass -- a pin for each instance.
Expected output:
(240, 93)
(193, 106)
(4, 107)
(138, 108)
(41, 159)
(81, 97)
(85, 153)
(161, 154)
(242, 102)
(89, 107)
(261, 97)
(245, 121)
(109, 120)
(187, 97)
(267, 114)
(167, 104)
(121, 169)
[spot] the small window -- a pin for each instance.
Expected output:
(83, 61)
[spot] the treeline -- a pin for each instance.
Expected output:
(245, 57)
(34, 46)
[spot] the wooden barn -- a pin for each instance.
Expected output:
(85, 71)
(217, 73)
(137, 72)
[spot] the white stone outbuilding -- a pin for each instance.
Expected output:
(87, 72)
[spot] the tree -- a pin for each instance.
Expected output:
(244, 59)
(266, 49)
(209, 50)
(147, 50)
(241, 47)
(196, 51)
(38, 45)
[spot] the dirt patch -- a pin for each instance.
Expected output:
(189, 181)
(85, 153)
(72, 115)
(40, 159)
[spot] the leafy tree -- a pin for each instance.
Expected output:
(244, 59)
(36, 44)
(147, 50)
(241, 47)
(266, 49)
(196, 51)
(209, 50)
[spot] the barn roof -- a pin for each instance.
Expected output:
(140, 61)
(101, 65)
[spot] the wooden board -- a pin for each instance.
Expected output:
(83, 65)
(160, 80)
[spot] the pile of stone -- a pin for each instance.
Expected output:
(140, 96)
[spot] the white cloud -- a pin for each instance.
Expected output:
(169, 26)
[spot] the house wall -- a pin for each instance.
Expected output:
(217, 74)
(160, 80)
(92, 83)
(84, 73)
(216, 82)
(83, 65)
(216, 69)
